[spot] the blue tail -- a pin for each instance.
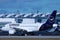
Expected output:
(49, 22)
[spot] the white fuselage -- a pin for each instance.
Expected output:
(28, 24)
(28, 27)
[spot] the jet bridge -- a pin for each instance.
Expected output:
(28, 21)
(7, 20)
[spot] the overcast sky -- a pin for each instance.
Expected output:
(26, 6)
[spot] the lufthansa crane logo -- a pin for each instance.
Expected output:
(52, 18)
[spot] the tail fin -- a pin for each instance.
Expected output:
(50, 21)
(52, 17)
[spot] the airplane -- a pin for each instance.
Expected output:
(29, 25)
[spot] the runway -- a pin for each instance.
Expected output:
(29, 36)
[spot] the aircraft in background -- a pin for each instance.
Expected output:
(29, 25)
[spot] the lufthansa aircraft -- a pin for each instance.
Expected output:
(28, 25)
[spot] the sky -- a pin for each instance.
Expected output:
(27, 6)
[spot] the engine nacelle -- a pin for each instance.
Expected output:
(55, 25)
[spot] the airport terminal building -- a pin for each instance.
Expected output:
(18, 18)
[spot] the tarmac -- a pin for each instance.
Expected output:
(29, 36)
